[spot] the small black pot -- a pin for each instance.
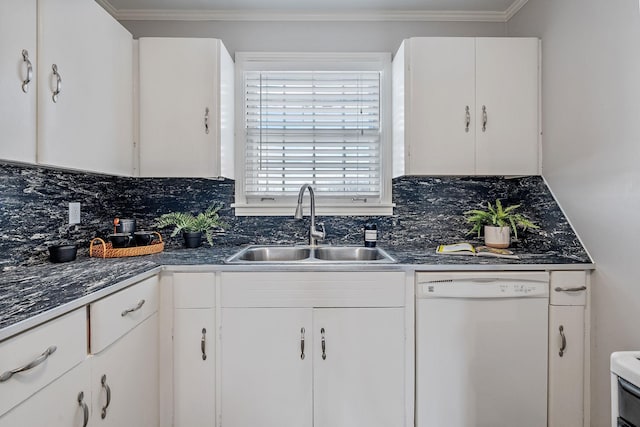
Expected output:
(62, 253)
(192, 239)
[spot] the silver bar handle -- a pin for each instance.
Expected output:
(35, 362)
(203, 344)
(206, 120)
(131, 310)
(563, 346)
(85, 409)
(56, 92)
(576, 289)
(302, 343)
(467, 115)
(324, 345)
(106, 388)
(484, 118)
(25, 82)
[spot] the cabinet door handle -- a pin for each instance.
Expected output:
(324, 345)
(484, 118)
(35, 362)
(131, 310)
(56, 92)
(107, 389)
(467, 115)
(25, 59)
(576, 289)
(206, 120)
(563, 346)
(302, 343)
(203, 344)
(85, 409)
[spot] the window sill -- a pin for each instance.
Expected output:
(321, 210)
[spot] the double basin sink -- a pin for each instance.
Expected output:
(310, 255)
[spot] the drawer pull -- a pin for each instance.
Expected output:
(131, 310)
(203, 344)
(576, 289)
(85, 409)
(563, 346)
(37, 361)
(324, 345)
(25, 82)
(106, 388)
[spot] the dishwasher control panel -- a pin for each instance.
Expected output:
(482, 285)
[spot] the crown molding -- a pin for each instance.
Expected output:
(291, 15)
(514, 8)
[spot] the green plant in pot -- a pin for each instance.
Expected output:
(497, 222)
(193, 227)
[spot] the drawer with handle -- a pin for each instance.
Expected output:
(117, 314)
(35, 358)
(568, 288)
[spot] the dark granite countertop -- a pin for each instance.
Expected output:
(34, 294)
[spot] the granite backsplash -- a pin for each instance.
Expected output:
(34, 212)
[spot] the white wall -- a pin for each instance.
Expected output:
(591, 156)
(311, 36)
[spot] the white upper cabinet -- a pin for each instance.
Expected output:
(186, 108)
(466, 106)
(17, 57)
(90, 124)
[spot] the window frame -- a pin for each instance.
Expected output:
(326, 206)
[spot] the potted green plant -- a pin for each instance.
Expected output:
(497, 223)
(193, 226)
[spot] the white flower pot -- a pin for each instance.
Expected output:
(497, 237)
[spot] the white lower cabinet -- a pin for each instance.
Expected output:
(63, 403)
(312, 349)
(567, 349)
(194, 349)
(124, 379)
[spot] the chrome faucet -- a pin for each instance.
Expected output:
(314, 233)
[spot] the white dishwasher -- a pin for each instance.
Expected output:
(481, 349)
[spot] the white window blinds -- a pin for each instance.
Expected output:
(316, 127)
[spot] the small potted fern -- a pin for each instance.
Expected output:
(193, 227)
(497, 223)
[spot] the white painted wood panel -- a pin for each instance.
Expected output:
(317, 289)
(179, 80)
(265, 382)
(194, 377)
(440, 86)
(17, 108)
(507, 85)
(57, 404)
(67, 333)
(567, 282)
(566, 372)
(194, 290)
(360, 382)
(91, 125)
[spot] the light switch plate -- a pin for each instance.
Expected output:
(74, 213)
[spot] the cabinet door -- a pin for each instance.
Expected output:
(439, 91)
(507, 90)
(90, 127)
(177, 87)
(18, 102)
(60, 404)
(266, 376)
(566, 371)
(194, 367)
(358, 367)
(130, 371)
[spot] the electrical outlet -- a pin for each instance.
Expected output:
(74, 213)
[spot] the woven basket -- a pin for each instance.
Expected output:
(106, 250)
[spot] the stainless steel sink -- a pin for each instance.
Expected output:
(310, 255)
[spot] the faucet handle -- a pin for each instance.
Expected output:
(321, 234)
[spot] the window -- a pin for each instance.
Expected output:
(313, 118)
